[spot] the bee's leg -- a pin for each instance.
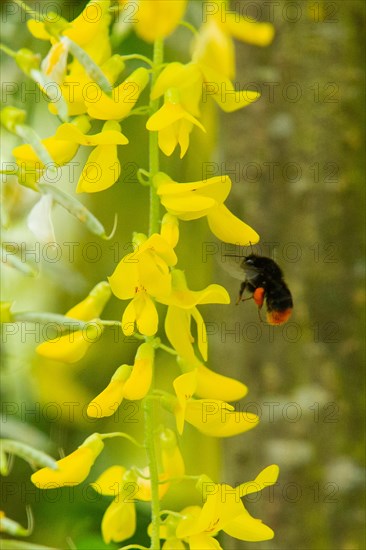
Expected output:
(259, 315)
(241, 292)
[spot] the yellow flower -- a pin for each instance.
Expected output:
(215, 48)
(224, 511)
(182, 304)
(126, 486)
(170, 229)
(142, 274)
(210, 384)
(245, 29)
(214, 45)
(70, 348)
(77, 85)
(173, 124)
(90, 30)
(72, 469)
(156, 19)
(102, 169)
(127, 383)
(190, 201)
(122, 99)
(60, 150)
(183, 87)
(212, 417)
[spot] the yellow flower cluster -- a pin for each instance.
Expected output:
(148, 277)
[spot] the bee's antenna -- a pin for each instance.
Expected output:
(251, 247)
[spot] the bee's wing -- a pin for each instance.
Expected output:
(233, 265)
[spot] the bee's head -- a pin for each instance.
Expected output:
(261, 264)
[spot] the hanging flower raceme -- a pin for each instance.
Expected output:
(212, 417)
(102, 169)
(222, 511)
(72, 347)
(190, 201)
(154, 19)
(141, 275)
(72, 469)
(127, 486)
(128, 382)
(213, 44)
(183, 88)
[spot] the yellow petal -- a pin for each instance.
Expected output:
(129, 319)
(229, 228)
(147, 319)
(168, 140)
(168, 114)
(170, 229)
(158, 18)
(161, 247)
(125, 278)
(217, 187)
(90, 30)
(110, 135)
(72, 347)
(245, 527)
(123, 98)
(141, 310)
(170, 77)
(210, 384)
(59, 150)
(72, 469)
(266, 477)
(218, 419)
(139, 382)
(101, 170)
(109, 483)
(201, 332)
(108, 401)
(184, 386)
(37, 29)
(119, 521)
(184, 298)
(184, 130)
(214, 47)
(177, 329)
(171, 458)
(223, 91)
(249, 30)
(93, 305)
(154, 275)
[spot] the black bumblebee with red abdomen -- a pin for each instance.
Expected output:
(264, 280)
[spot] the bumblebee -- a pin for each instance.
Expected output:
(264, 280)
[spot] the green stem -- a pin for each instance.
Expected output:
(154, 146)
(154, 476)
(149, 404)
(7, 50)
(137, 56)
